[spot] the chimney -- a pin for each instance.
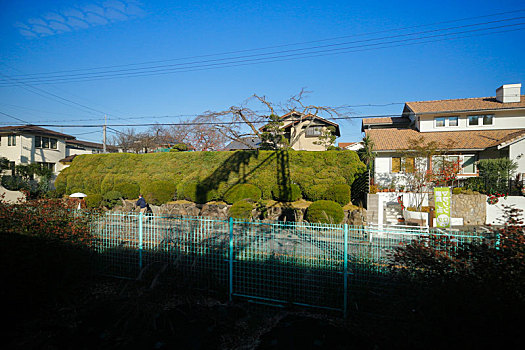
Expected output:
(509, 93)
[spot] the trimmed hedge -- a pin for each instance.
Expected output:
(129, 190)
(288, 193)
(111, 198)
(241, 210)
(339, 193)
(242, 191)
(158, 192)
(326, 212)
(93, 200)
(213, 173)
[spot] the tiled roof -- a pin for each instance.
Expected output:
(400, 139)
(32, 129)
(68, 159)
(345, 144)
(85, 143)
(463, 105)
(386, 120)
(248, 143)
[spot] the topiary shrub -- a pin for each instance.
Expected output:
(158, 192)
(111, 199)
(327, 212)
(129, 190)
(195, 192)
(289, 193)
(93, 200)
(338, 193)
(316, 192)
(242, 191)
(241, 210)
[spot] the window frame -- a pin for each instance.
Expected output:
(398, 165)
(439, 119)
(469, 118)
(11, 140)
(315, 128)
(457, 121)
(491, 119)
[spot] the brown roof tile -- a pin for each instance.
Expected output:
(386, 120)
(400, 139)
(463, 105)
(33, 130)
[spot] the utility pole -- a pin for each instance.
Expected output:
(104, 132)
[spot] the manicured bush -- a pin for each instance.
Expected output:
(111, 199)
(241, 210)
(286, 193)
(196, 192)
(158, 192)
(338, 193)
(93, 200)
(242, 191)
(327, 212)
(129, 190)
(214, 172)
(316, 192)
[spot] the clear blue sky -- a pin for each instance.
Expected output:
(49, 36)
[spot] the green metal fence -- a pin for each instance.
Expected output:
(318, 265)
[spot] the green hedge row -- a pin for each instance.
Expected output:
(205, 176)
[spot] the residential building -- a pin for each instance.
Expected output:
(244, 143)
(28, 144)
(305, 133)
(350, 146)
(467, 130)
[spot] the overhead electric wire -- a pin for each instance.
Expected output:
(10, 116)
(277, 56)
(278, 46)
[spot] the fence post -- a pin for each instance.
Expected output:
(231, 260)
(345, 271)
(141, 216)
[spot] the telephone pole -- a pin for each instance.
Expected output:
(104, 132)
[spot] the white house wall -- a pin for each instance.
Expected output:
(495, 212)
(502, 120)
(517, 154)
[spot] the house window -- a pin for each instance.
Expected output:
(453, 121)
(469, 165)
(50, 166)
(396, 164)
(314, 131)
(410, 165)
(11, 140)
(12, 168)
(45, 142)
(488, 120)
(440, 122)
(473, 120)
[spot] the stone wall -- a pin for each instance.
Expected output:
(219, 210)
(470, 207)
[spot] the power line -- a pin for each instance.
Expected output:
(236, 61)
(8, 115)
(276, 46)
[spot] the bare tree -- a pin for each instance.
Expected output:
(241, 121)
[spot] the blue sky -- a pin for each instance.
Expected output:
(49, 36)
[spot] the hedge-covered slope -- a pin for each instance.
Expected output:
(209, 175)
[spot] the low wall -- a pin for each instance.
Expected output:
(470, 207)
(495, 213)
(220, 210)
(11, 196)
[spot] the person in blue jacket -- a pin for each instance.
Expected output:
(142, 204)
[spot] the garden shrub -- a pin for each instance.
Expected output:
(214, 172)
(129, 190)
(242, 191)
(111, 199)
(158, 192)
(316, 192)
(288, 193)
(338, 193)
(241, 210)
(93, 200)
(323, 211)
